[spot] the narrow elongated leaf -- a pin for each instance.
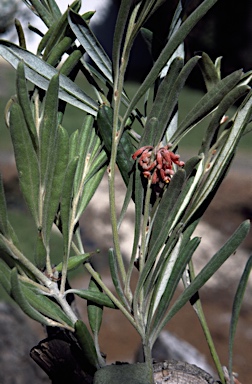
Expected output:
(45, 306)
(120, 26)
(66, 203)
(89, 189)
(223, 159)
(115, 275)
(59, 29)
(204, 275)
(236, 309)
(95, 311)
(160, 229)
(54, 182)
(168, 50)
(40, 73)
(185, 255)
(3, 211)
(48, 129)
(19, 297)
(97, 297)
(74, 262)
(24, 102)
(161, 109)
(225, 103)
(5, 273)
(164, 276)
(90, 43)
(26, 160)
(209, 71)
(87, 344)
(206, 104)
(125, 146)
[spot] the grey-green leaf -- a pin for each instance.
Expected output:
(26, 160)
(40, 73)
(90, 43)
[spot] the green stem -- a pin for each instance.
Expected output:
(200, 313)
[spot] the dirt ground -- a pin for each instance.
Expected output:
(232, 204)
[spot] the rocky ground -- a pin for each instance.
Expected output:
(232, 204)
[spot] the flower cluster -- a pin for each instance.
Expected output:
(157, 162)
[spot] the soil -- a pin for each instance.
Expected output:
(231, 205)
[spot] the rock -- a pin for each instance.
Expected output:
(17, 338)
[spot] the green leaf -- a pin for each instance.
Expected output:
(177, 38)
(95, 311)
(87, 344)
(40, 73)
(206, 104)
(26, 160)
(125, 146)
(4, 229)
(208, 271)
(74, 262)
(48, 129)
(175, 274)
(159, 109)
(209, 71)
(5, 273)
(90, 43)
(115, 275)
(234, 95)
(120, 26)
(59, 29)
(24, 102)
(44, 305)
(19, 297)
(160, 231)
(66, 202)
(237, 303)
(55, 179)
(97, 297)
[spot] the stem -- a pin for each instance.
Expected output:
(200, 313)
(99, 281)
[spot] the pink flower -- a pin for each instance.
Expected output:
(157, 162)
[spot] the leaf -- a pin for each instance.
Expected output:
(234, 95)
(26, 160)
(115, 275)
(45, 305)
(5, 273)
(66, 203)
(120, 26)
(4, 229)
(176, 39)
(206, 104)
(204, 275)
(55, 179)
(40, 73)
(97, 297)
(95, 311)
(181, 260)
(160, 231)
(90, 43)
(19, 297)
(237, 303)
(74, 262)
(125, 146)
(209, 71)
(24, 102)
(86, 343)
(162, 108)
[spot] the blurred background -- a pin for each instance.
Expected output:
(225, 31)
